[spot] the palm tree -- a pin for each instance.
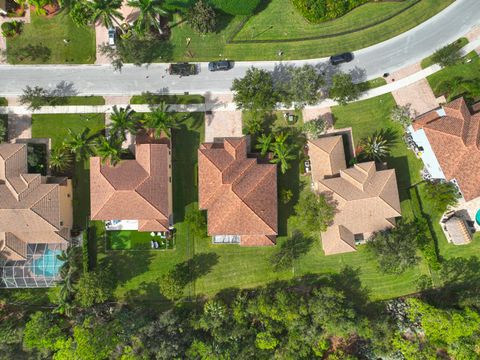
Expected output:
(79, 144)
(39, 4)
(282, 155)
(150, 12)
(122, 121)
(60, 159)
(107, 11)
(377, 146)
(109, 149)
(264, 143)
(160, 120)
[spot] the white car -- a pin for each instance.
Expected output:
(111, 36)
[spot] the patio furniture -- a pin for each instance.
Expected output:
(152, 234)
(156, 245)
(152, 243)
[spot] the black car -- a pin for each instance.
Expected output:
(341, 58)
(220, 65)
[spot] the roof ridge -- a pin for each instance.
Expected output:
(15, 152)
(261, 179)
(392, 173)
(148, 202)
(106, 200)
(39, 215)
(251, 163)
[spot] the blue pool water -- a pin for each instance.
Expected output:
(477, 217)
(48, 263)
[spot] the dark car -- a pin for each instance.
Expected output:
(341, 58)
(220, 65)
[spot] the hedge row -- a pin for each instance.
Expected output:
(317, 11)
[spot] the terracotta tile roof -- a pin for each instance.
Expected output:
(134, 189)
(367, 199)
(29, 207)
(455, 140)
(239, 194)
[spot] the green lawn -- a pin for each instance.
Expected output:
(280, 21)
(59, 36)
(135, 240)
(169, 99)
(428, 60)
(466, 71)
(55, 126)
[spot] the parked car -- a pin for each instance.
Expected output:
(220, 65)
(341, 58)
(183, 69)
(111, 36)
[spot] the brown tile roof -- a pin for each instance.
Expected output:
(367, 199)
(239, 194)
(29, 207)
(134, 189)
(455, 139)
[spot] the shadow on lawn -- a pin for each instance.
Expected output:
(192, 269)
(288, 181)
(402, 171)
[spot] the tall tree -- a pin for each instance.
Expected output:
(150, 15)
(254, 91)
(396, 249)
(376, 147)
(264, 143)
(109, 149)
(107, 12)
(316, 212)
(60, 159)
(447, 55)
(122, 120)
(282, 155)
(343, 89)
(79, 144)
(442, 195)
(161, 121)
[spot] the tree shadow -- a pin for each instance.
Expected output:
(358, 75)
(192, 269)
(64, 88)
(348, 281)
(288, 181)
(291, 249)
(146, 293)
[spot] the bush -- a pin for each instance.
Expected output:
(201, 17)
(317, 11)
(12, 28)
(448, 55)
(237, 7)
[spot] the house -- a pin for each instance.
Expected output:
(36, 217)
(3, 6)
(239, 194)
(366, 198)
(134, 194)
(448, 142)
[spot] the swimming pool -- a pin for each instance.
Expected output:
(48, 264)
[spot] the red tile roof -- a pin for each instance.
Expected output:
(134, 189)
(455, 139)
(239, 194)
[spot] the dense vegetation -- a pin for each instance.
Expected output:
(322, 10)
(236, 7)
(328, 317)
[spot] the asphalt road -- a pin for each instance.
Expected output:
(407, 48)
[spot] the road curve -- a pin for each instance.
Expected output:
(410, 47)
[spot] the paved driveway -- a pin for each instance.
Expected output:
(419, 95)
(221, 124)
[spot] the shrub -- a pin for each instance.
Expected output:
(448, 55)
(201, 17)
(237, 7)
(11, 28)
(317, 11)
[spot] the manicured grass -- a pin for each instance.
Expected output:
(371, 84)
(135, 240)
(169, 99)
(55, 126)
(465, 71)
(3, 101)
(280, 21)
(78, 47)
(428, 61)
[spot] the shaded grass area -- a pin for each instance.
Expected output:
(169, 99)
(55, 126)
(3, 101)
(66, 42)
(466, 71)
(428, 61)
(280, 21)
(4, 121)
(372, 84)
(135, 240)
